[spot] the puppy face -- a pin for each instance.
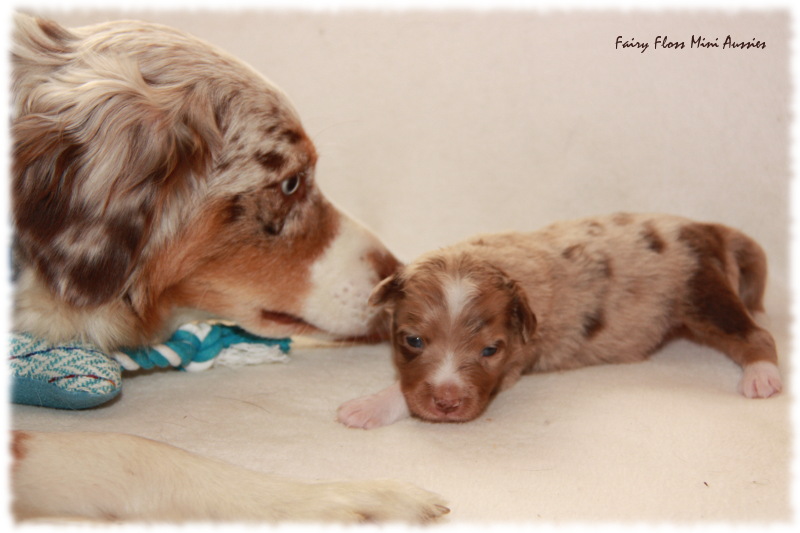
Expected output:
(458, 325)
(155, 174)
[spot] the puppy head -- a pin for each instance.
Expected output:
(458, 325)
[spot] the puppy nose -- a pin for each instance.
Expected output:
(446, 405)
(447, 398)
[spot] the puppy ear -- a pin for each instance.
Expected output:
(98, 161)
(521, 317)
(387, 291)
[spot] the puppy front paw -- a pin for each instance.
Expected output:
(761, 379)
(358, 413)
(376, 410)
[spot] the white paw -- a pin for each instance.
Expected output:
(359, 413)
(377, 501)
(376, 410)
(761, 379)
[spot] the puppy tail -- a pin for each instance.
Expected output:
(752, 263)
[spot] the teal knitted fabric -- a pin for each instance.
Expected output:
(77, 375)
(73, 375)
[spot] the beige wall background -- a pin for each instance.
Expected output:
(436, 125)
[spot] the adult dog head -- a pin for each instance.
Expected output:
(154, 175)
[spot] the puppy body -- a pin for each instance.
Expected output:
(470, 319)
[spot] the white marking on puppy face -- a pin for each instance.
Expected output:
(458, 292)
(447, 372)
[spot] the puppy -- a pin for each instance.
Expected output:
(155, 180)
(468, 320)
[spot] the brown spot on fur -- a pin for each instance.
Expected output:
(291, 136)
(272, 160)
(652, 238)
(594, 229)
(59, 37)
(271, 227)
(234, 209)
(97, 277)
(224, 165)
(593, 323)
(19, 448)
(571, 252)
(605, 268)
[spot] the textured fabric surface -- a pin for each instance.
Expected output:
(64, 376)
(664, 440)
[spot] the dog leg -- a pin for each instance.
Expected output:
(725, 288)
(754, 351)
(122, 477)
(376, 410)
(749, 345)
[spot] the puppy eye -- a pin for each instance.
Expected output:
(289, 186)
(415, 342)
(489, 351)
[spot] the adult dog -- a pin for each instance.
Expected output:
(155, 179)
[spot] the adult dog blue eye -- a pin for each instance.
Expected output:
(289, 186)
(489, 351)
(415, 342)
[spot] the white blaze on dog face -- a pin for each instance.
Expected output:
(454, 334)
(447, 371)
(458, 291)
(342, 279)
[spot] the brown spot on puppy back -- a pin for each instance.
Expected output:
(594, 228)
(652, 239)
(571, 252)
(593, 323)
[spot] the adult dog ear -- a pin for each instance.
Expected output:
(521, 317)
(99, 157)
